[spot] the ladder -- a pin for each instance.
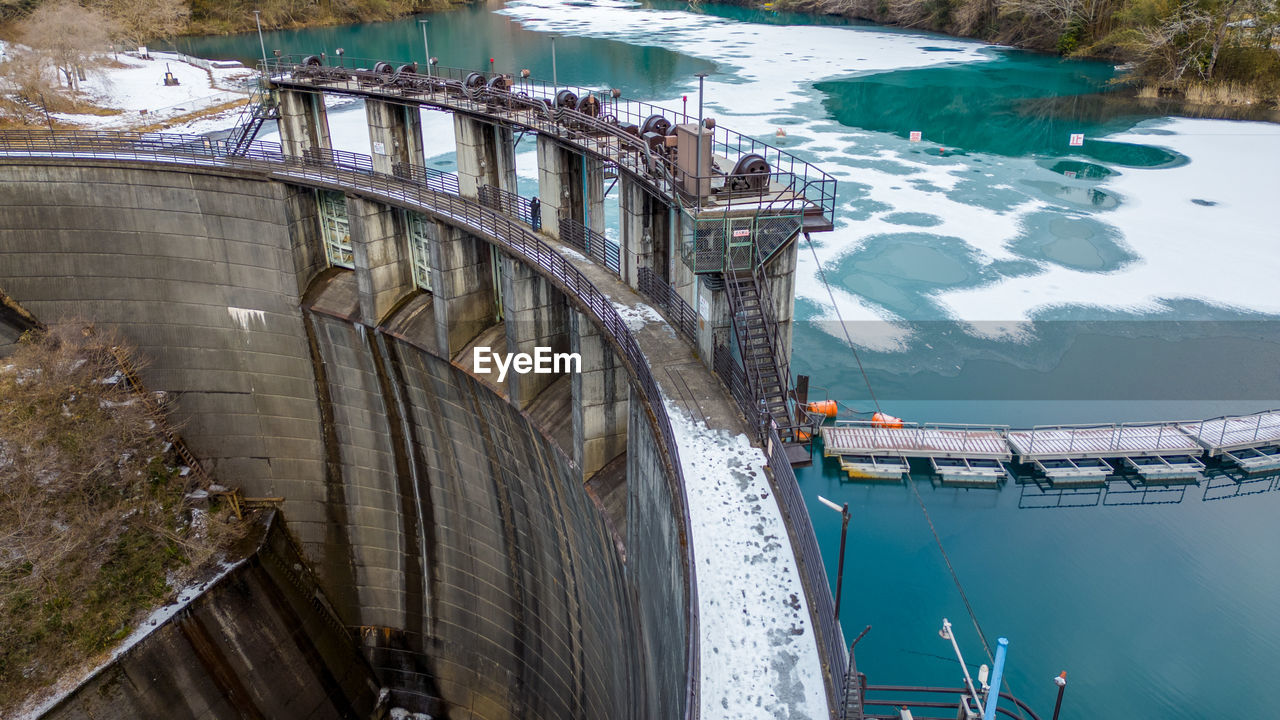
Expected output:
(766, 373)
(261, 108)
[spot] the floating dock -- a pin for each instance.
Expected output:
(1067, 455)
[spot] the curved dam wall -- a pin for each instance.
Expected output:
(450, 534)
(206, 660)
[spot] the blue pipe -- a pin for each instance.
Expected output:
(997, 675)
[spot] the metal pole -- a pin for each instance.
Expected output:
(425, 47)
(1061, 682)
(947, 634)
(257, 18)
(44, 105)
(697, 164)
(997, 675)
(555, 82)
(844, 535)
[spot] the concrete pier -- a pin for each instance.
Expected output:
(486, 156)
(304, 122)
(646, 236)
(715, 321)
(600, 398)
(381, 266)
(462, 282)
(395, 134)
(536, 315)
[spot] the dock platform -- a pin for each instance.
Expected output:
(925, 441)
(1223, 434)
(1045, 442)
(1066, 455)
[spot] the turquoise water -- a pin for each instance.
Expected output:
(1159, 604)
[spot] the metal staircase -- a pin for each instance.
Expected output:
(762, 359)
(261, 108)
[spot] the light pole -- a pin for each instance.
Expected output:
(426, 48)
(555, 82)
(1061, 682)
(257, 18)
(947, 634)
(844, 511)
(697, 164)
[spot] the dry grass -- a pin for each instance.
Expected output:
(192, 116)
(95, 527)
(1221, 93)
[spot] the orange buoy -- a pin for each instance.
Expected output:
(825, 408)
(886, 420)
(803, 436)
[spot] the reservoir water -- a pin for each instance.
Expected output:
(991, 273)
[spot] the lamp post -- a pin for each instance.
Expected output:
(555, 82)
(257, 18)
(426, 48)
(947, 634)
(1061, 682)
(697, 164)
(844, 511)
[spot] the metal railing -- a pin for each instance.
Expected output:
(595, 245)
(1137, 437)
(813, 573)
(508, 203)
(610, 128)
(346, 171)
(957, 437)
(433, 179)
(1214, 432)
(667, 298)
(1021, 710)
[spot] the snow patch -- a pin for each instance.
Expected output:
(759, 652)
(637, 316)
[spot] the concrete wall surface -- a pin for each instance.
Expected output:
(258, 643)
(444, 527)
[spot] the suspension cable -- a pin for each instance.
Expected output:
(822, 275)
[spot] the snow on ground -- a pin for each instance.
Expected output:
(759, 654)
(1222, 253)
(636, 316)
(139, 85)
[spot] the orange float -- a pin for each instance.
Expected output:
(885, 420)
(825, 408)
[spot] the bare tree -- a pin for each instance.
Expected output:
(68, 35)
(139, 21)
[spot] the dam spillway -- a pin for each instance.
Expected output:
(500, 591)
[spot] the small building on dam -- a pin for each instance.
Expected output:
(491, 423)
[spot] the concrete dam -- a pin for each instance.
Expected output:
(478, 548)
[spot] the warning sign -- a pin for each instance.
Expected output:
(742, 233)
(1077, 140)
(379, 148)
(1071, 174)
(916, 135)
